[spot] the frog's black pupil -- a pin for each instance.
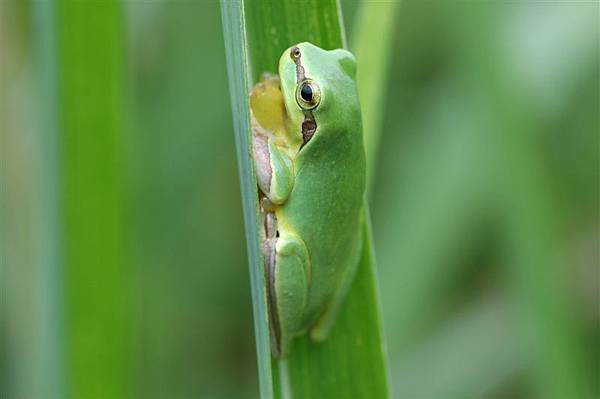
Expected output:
(306, 93)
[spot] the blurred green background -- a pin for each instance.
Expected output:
(485, 206)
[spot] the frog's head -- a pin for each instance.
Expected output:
(319, 92)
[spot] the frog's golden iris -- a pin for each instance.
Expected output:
(308, 94)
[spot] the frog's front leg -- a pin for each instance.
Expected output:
(289, 277)
(273, 167)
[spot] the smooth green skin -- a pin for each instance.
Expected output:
(317, 201)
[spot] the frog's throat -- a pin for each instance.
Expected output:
(309, 124)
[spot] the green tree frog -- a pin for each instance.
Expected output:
(310, 166)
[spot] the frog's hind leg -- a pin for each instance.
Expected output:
(320, 331)
(290, 287)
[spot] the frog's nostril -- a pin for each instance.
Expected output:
(295, 53)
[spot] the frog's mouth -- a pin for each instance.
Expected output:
(309, 124)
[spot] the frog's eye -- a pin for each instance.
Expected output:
(308, 94)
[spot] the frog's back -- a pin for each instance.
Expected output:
(325, 207)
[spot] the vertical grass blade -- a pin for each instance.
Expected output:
(238, 71)
(375, 23)
(538, 268)
(52, 365)
(351, 363)
(90, 79)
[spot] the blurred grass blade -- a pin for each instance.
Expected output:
(351, 363)
(52, 366)
(237, 68)
(90, 79)
(527, 201)
(374, 24)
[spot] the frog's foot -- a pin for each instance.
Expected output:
(288, 283)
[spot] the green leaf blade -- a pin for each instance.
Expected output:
(91, 75)
(273, 27)
(351, 362)
(237, 68)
